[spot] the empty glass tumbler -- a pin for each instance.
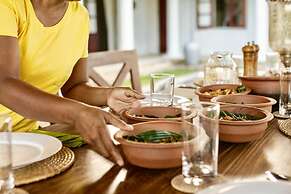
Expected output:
(6, 176)
(285, 92)
(162, 88)
(200, 154)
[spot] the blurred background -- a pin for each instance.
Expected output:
(177, 36)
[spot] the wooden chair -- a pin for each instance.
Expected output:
(129, 62)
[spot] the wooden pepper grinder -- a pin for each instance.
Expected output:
(250, 54)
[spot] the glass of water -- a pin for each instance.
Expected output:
(285, 92)
(6, 176)
(162, 89)
(200, 152)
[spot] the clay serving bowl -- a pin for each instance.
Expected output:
(205, 97)
(262, 85)
(152, 155)
(243, 131)
(153, 113)
(261, 102)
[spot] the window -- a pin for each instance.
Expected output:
(98, 27)
(221, 13)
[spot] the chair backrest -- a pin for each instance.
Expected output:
(129, 62)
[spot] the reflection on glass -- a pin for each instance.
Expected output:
(6, 177)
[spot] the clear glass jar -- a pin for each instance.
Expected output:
(280, 25)
(220, 69)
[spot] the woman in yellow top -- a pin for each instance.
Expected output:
(43, 49)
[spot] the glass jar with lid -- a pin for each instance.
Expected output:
(220, 69)
(280, 28)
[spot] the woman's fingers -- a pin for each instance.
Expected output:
(93, 138)
(133, 93)
(112, 119)
(99, 147)
(91, 123)
(127, 100)
(122, 106)
(105, 138)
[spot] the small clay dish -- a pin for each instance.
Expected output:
(261, 102)
(152, 155)
(205, 97)
(262, 85)
(243, 131)
(153, 113)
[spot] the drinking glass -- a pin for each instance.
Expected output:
(6, 176)
(200, 150)
(162, 89)
(285, 92)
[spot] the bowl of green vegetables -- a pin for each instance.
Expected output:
(155, 144)
(239, 123)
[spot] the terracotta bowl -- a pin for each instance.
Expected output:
(261, 102)
(205, 97)
(266, 86)
(132, 115)
(152, 155)
(243, 131)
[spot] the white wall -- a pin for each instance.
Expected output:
(125, 24)
(230, 39)
(146, 27)
(262, 25)
(186, 22)
(110, 10)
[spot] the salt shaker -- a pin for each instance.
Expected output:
(250, 56)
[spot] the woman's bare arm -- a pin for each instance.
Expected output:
(76, 87)
(36, 104)
(118, 98)
(26, 99)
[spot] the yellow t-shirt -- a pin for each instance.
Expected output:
(47, 54)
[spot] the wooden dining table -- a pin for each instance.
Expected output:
(93, 174)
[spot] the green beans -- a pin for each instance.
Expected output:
(69, 140)
(155, 117)
(241, 88)
(225, 115)
(155, 136)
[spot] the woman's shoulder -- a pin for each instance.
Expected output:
(17, 8)
(14, 4)
(79, 9)
(10, 4)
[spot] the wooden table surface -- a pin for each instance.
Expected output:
(93, 174)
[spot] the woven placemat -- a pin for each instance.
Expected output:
(46, 168)
(285, 127)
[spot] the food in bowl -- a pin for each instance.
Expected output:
(155, 117)
(152, 155)
(206, 93)
(231, 116)
(155, 136)
(262, 102)
(153, 113)
(238, 131)
(226, 91)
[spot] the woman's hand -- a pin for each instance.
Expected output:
(122, 98)
(91, 124)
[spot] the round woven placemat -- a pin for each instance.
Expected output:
(46, 168)
(285, 127)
